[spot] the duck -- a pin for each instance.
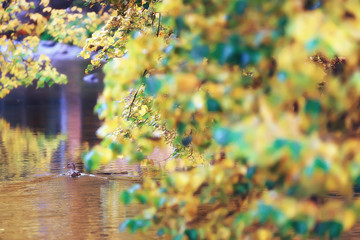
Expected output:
(72, 172)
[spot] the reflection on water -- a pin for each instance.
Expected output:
(24, 153)
(40, 131)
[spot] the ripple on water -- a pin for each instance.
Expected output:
(60, 206)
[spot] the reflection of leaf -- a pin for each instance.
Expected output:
(18, 143)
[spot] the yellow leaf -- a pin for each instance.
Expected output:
(263, 234)
(143, 110)
(44, 2)
(186, 82)
(181, 180)
(85, 54)
(349, 219)
(44, 58)
(171, 165)
(47, 9)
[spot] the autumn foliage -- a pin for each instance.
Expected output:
(258, 99)
(23, 24)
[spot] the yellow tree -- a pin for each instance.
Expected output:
(19, 38)
(22, 25)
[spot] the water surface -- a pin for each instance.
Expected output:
(40, 132)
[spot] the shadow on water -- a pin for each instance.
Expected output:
(40, 131)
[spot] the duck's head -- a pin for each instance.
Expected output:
(72, 170)
(71, 166)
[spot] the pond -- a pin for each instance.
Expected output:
(40, 132)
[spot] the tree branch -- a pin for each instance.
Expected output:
(158, 30)
(132, 102)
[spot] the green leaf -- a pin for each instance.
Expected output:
(295, 147)
(241, 189)
(265, 212)
(100, 108)
(244, 59)
(160, 202)
(170, 181)
(213, 105)
(321, 164)
(141, 198)
(92, 160)
(160, 232)
(152, 86)
(181, 128)
(269, 184)
(223, 136)
(126, 197)
(116, 147)
(199, 52)
(335, 229)
(124, 224)
(240, 6)
(134, 188)
(186, 141)
(300, 227)
(191, 234)
(134, 224)
(309, 171)
(180, 25)
(146, 5)
(321, 228)
(146, 115)
(312, 44)
(223, 52)
(313, 107)
(250, 172)
(138, 156)
(246, 81)
(178, 237)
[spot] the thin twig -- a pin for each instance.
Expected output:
(132, 102)
(158, 30)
